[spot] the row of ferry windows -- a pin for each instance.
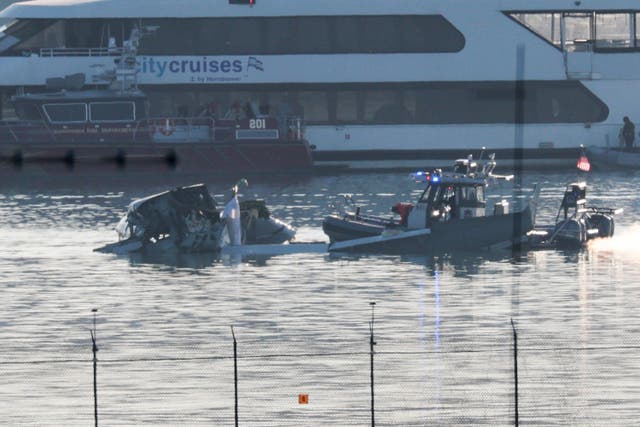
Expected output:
(429, 103)
(95, 112)
(256, 36)
(604, 31)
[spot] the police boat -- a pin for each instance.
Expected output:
(575, 223)
(450, 214)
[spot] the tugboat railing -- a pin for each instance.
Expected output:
(50, 52)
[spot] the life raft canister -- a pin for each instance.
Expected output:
(403, 210)
(166, 126)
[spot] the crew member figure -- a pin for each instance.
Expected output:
(628, 133)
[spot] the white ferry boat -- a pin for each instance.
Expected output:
(381, 83)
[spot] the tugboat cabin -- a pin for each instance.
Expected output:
(87, 116)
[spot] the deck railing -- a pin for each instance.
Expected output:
(93, 51)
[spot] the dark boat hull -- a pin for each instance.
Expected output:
(349, 226)
(230, 157)
(458, 234)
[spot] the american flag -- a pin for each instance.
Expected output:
(583, 163)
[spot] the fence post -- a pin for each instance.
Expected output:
(235, 375)
(515, 370)
(95, 367)
(371, 344)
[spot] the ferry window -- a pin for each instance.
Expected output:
(578, 31)
(408, 99)
(545, 25)
(302, 35)
(613, 30)
(82, 33)
(316, 36)
(66, 113)
(50, 37)
(23, 36)
(243, 36)
(431, 33)
(282, 35)
(392, 110)
(377, 105)
(347, 106)
(345, 34)
(216, 37)
(443, 103)
(111, 111)
(315, 107)
(380, 34)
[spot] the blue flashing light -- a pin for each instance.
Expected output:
(435, 178)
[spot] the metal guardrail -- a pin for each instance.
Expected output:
(94, 51)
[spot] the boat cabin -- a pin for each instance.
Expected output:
(83, 116)
(448, 198)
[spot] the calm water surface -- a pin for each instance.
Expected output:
(442, 323)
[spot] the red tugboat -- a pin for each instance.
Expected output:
(107, 127)
(90, 129)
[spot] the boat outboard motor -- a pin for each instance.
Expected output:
(571, 232)
(603, 223)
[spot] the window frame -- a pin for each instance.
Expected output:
(90, 115)
(46, 112)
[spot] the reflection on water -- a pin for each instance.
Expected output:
(444, 343)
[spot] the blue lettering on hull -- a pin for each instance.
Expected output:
(198, 68)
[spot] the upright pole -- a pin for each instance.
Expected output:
(94, 337)
(371, 344)
(515, 369)
(518, 149)
(235, 374)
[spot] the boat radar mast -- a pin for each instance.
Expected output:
(123, 77)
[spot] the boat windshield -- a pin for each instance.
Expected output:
(472, 194)
(430, 193)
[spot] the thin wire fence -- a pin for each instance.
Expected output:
(416, 383)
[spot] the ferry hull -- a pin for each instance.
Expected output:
(609, 157)
(510, 159)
